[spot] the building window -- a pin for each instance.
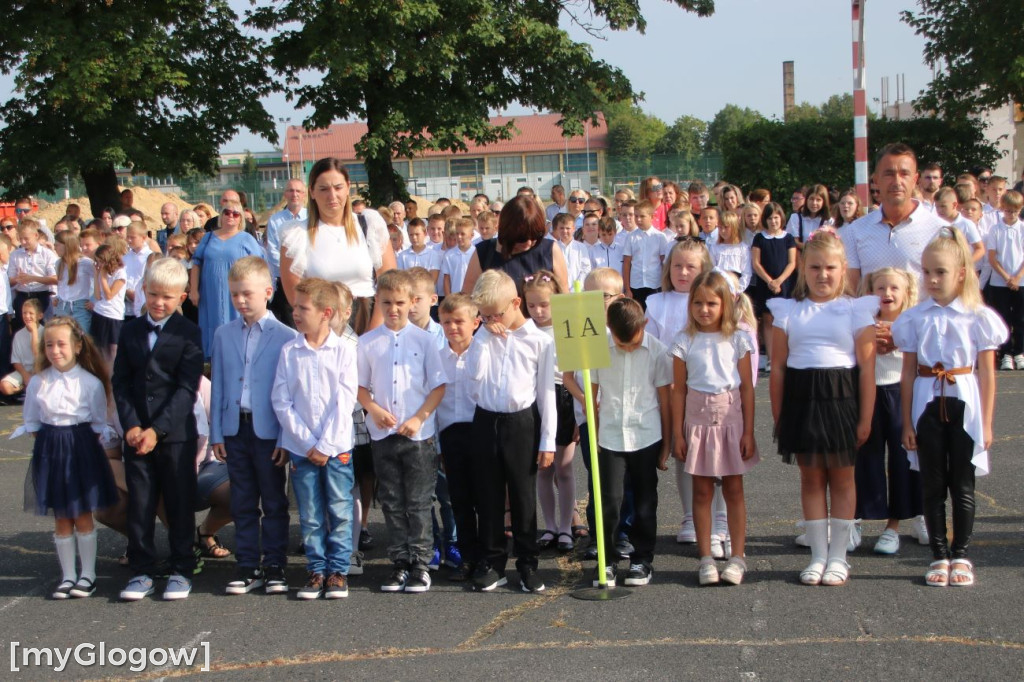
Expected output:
(402, 168)
(356, 172)
(467, 166)
(430, 168)
(544, 163)
(577, 163)
(505, 165)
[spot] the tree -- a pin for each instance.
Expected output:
(731, 118)
(836, 107)
(153, 86)
(424, 74)
(684, 138)
(975, 50)
(635, 134)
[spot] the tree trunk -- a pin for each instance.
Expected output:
(101, 186)
(385, 184)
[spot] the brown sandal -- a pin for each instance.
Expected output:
(214, 551)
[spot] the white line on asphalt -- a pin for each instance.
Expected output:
(17, 600)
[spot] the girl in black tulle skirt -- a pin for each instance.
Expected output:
(69, 475)
(823, 392)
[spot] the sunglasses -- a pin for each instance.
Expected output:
(22, 211)
(495, 212)
(228, 213)
(983, 178)
(657, 187)
(7, 226)
(577, 200)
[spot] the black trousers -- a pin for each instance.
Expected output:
(507, 446)
(642, 468)
(458, 453)
(280, 307)
(169, 470)
(886, 490)
(625, 510)
(945, 450)
(1010, 306)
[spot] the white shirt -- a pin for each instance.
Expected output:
(577, 260)
(513, 373)
(21, 349)
(1008, 243)
(823, 335)
(428, 258)
(112, 307)
(604, 256)
(952, 335)
(554, 209)
(968, 229)
(314, 394)
(457, 406)
(333, 258)
(82, 289)
(135, 268)
(809, 226)
(733, 258)
(152, 336)
(400, 369)
(667, 313)
(644, 250)
(65, 399)
(712, 360)
(872, 245)
(41, 263)
(276, 225)
(253, 334)
(454, 264)
(5, 292)
(629, 416)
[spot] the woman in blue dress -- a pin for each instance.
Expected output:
(208, 278)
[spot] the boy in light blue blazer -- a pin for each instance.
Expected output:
(244, 429)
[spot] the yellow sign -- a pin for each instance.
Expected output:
(581, 338)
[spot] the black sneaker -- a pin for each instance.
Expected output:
(365, 540)
(418, 581)
(624, 548)
(397, 581)
(248, 579)
(83, 588)
(275, 581)
(463, 573)
(639, 574)
(530, 581)
(486, 578)
(313, 588)
(609, 574)
(63, 589)
(337, 586)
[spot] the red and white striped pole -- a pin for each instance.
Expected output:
(860, 105)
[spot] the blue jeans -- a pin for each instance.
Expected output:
(77, 310)
(444, 501)
(324, 498)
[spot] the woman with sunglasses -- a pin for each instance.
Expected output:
(653, 191)
(208, 277)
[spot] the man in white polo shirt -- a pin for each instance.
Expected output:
(895, 235)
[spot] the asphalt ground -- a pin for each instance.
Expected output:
(884, 624)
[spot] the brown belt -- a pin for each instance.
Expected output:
(943, 376)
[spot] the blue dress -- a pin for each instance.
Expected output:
(215, 256)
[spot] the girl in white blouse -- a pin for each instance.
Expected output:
(75, 275)
(66, 410)
(947, 410)
(822, 405)
(713, 416)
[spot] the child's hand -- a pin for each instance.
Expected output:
(382, 418)
(146, 442)
(748, 447)
(679, 449)
(88, 305)
(545, 459)
(279, 457)
(496, 328)
(316, 457)
(194, 297)
(410, 427)
(987, 436)
(663, 458)
(219, 452)
(863, 431)
(909, 439)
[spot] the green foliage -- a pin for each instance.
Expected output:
(684, 138)
(835, 107)
(425, 74)
(635, 134)
(728, 120)
(975, 50)
(781, 156)
(157, 86)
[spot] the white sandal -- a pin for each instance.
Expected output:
(961, 573)
(938, 573)
(734, 571)
(836, 573)
(812, 574)
(708, 574)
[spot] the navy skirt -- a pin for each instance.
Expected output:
(69, 474)
(104, 330)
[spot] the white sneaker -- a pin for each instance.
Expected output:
(1006, 363)
(920, 530)
(855, 536)
(720, 525)
(687, 533)
(1018, 361)
(717, 547)
(888, 542)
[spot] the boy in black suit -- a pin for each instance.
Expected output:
(156, 375)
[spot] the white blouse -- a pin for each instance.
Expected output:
(823, 335)
(711, 360)
(332, 257)
(667, 313)
(952, 335)
(83, 286)
(733, 258)
(112, 308)
(65, 399)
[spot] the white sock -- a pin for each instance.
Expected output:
(817, 538)
(719, 514)
(66, 556)
(684, 482)
(87, 550)
(357, 517)
(839, 530)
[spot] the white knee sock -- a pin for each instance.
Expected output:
(87, 550)
(719, 514)
(565, 478)
(684, 482)
(66, 556)
(817, 538)
(839, 531)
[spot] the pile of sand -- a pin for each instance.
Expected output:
(148, 201)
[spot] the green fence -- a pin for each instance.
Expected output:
(629, 172)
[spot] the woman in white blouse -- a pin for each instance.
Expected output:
(337, 245)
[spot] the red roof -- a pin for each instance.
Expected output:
(537, 133)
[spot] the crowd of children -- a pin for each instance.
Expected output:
(884, 403)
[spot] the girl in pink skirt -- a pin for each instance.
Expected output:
(713, 416)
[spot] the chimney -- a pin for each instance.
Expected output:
(788, 90)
